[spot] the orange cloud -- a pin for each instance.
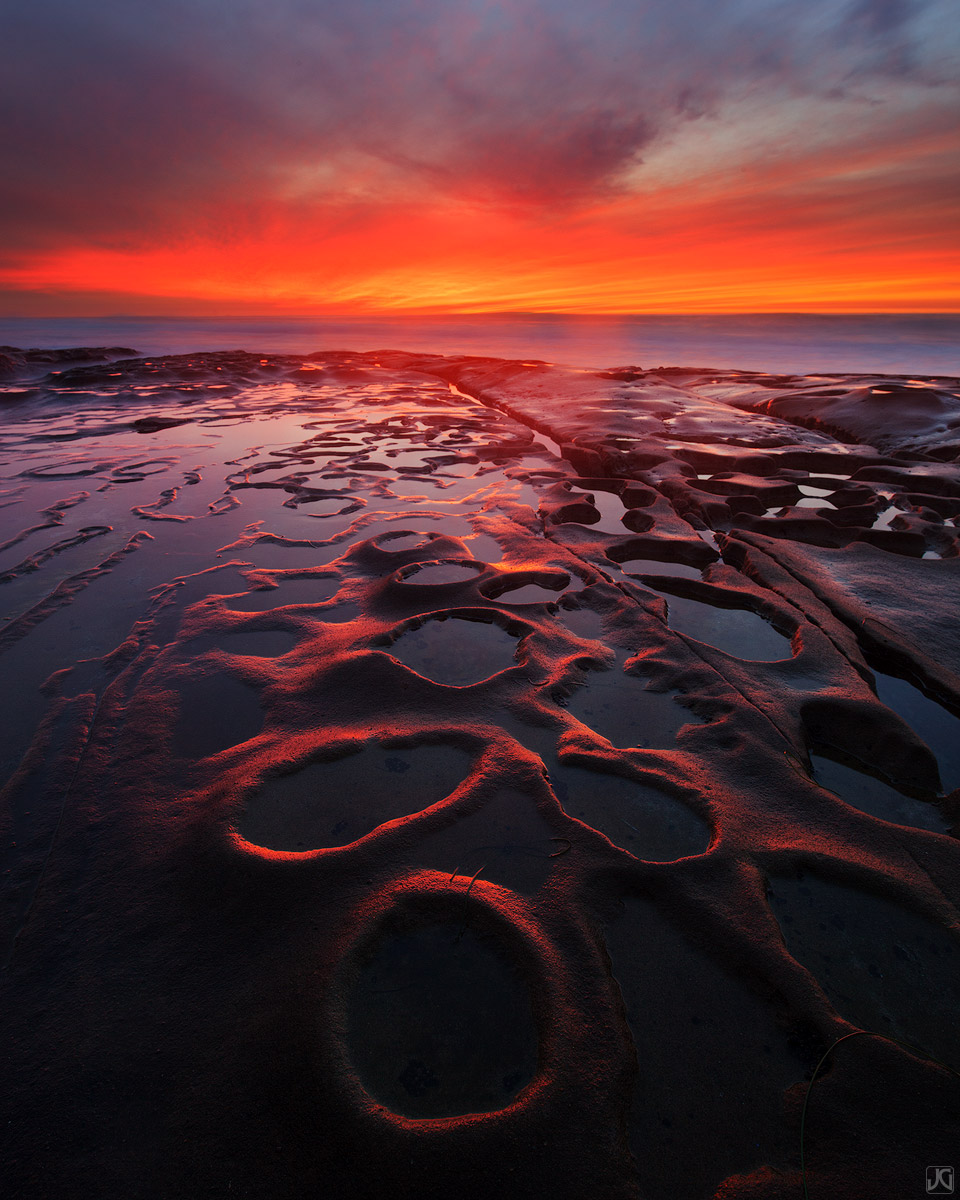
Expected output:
(762, 244)
(505, 156)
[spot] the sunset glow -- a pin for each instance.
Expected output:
(481, 157)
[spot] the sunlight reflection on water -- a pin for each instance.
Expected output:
(903, 343)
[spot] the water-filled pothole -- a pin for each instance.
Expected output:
(653, 566)
(412, 488)
(736, 631)
(396, 542)
(584, 622)
(608, 505)
(621, 709)
(455, 651)
(872, 796)
(329, 506)
(278, 555)
(484, 548)
(936, 725)
(335, 803)
(440, 572)
(507, 842)
(441, 1022)
(634, 816)
(814, 502)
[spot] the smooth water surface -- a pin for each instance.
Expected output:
(875, 797)
(901, 343)
(736, 631)
(456, 652)
(938, 727)
(334, 803)
(441, 1023)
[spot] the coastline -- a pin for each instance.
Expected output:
(592, 732)
(900, 343)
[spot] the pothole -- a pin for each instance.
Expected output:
(440, 572)
(441, 1021)
(216, 711)
(456, 652)
(621, 709)
(335, 803)
(288, 591)
(936, 725)
(875, 797)
(634, 816)
(736, 631)
(883, 967)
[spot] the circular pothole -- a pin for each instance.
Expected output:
(440, 1020)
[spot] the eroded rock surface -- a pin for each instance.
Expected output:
(447, 776)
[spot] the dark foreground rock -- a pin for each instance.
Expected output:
(429, 776)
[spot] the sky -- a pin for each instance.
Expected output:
(294, 156)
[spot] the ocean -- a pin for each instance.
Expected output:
(913, 343)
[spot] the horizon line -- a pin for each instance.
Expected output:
(447, 314)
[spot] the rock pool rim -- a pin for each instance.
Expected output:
(824, 749)
(342, 749)
(426, 898)
(551, 581)
(398, 535)
(510, 624)
(404, 574)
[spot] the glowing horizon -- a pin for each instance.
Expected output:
(481, 157)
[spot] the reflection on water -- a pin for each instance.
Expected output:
(529, 593)
(434, 573)
(901, 343)
(456, 652)
(621, 709)
(635, 816)
(266, 643)
(608, 504)
(216, 712)
(584, 622)
(886, 516)
(289, 591)
(334, 803)
(213, 661)
(883, 967)
(275, 554)
(873, 796)
(653, 566)
(937, 726)
(393, 542)
(693, 1019)
(736, 631)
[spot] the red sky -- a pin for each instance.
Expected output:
(453, 155)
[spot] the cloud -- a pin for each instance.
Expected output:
(133, 121)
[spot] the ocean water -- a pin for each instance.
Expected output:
(914, 343)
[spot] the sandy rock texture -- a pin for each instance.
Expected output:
(430, 776)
